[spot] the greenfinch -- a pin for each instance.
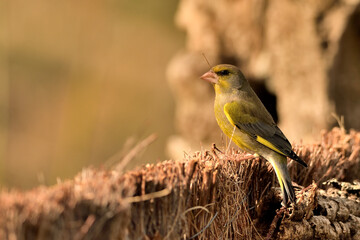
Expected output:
(244, 119)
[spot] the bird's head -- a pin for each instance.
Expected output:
(225, 78)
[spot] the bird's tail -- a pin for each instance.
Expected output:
(279, 164)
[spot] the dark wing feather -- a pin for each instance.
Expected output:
(246, 118)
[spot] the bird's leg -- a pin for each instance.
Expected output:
(232, 135)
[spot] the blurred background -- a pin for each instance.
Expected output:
(80, 80)
(77, 80)
(301, 57)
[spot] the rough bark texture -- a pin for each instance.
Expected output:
(306, 53)
(209, 195)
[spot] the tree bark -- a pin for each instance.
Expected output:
(208, 195)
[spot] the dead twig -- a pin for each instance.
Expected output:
(275, 224)
(148, 196)
(204, 228)
(134, 151)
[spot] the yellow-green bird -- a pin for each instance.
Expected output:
(244, 119)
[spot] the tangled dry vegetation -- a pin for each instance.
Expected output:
(210, 195)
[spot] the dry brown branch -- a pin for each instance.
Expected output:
(210, 195)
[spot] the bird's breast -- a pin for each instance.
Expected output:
(240, 138)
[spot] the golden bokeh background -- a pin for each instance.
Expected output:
(79, 78)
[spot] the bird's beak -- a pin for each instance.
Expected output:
(210, 76)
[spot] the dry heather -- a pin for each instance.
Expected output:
(210, 195)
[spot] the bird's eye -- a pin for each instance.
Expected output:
(223, 72)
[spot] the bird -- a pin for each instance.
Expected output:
(244, 119)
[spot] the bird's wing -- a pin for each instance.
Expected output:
(261, 127)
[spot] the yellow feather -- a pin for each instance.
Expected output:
(261, 140)
(268, 144)
(228, 116)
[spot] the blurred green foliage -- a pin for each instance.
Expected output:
(78, 78)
